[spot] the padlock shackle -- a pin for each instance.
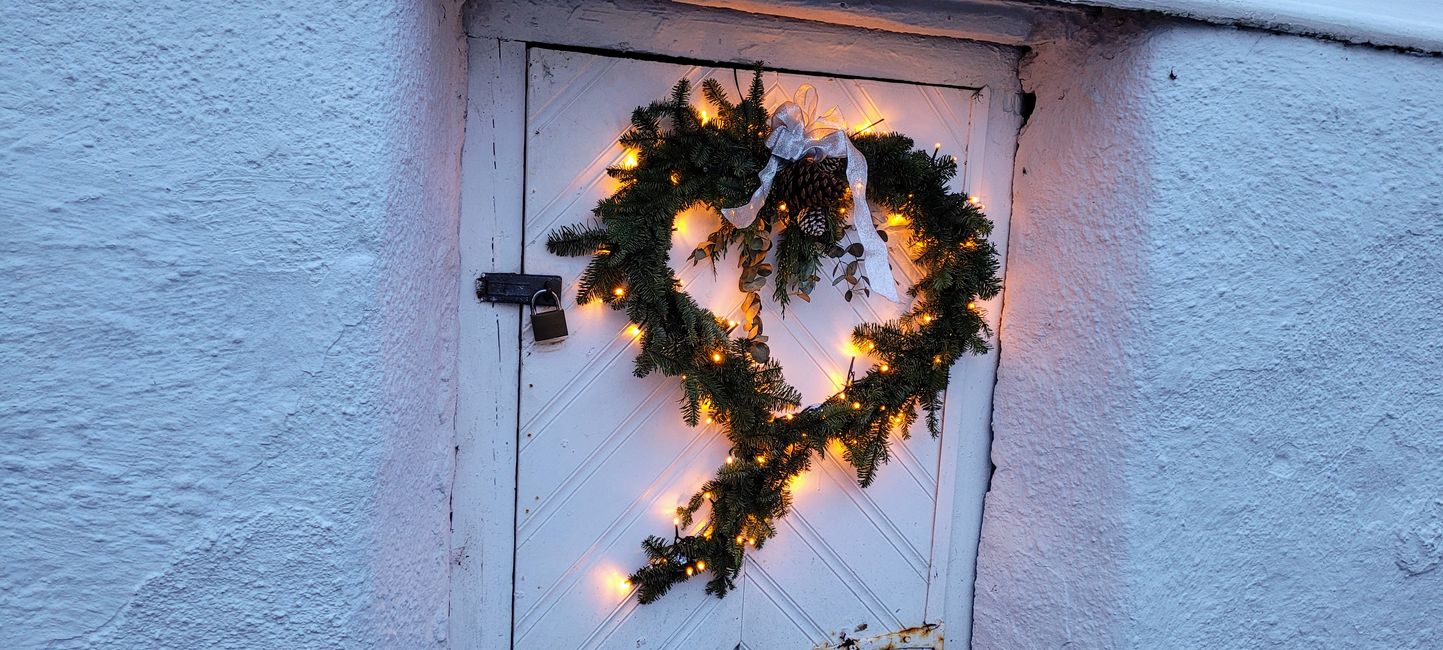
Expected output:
(556, 300)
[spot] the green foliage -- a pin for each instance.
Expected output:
(684, 161)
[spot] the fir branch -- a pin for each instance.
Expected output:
(683, 161)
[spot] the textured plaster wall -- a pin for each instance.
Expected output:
(1217, 416)
(227, 322)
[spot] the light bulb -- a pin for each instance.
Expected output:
(716, 357)
(856, 406)
(700, 565)
(884, 367)
(618, 292)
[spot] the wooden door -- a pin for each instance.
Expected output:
(604, 458)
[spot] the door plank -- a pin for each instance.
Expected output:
(604, 457)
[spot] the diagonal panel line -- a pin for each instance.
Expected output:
(549, 214)
(889, 530)
(589, 466)
(571, 92)
(946, 116)
(909, 463)
(619, 616)
(595, 174)
(786, 605)
(711, 605)
(860, 497)
(847, 575)
(616, 347)
(611, 533)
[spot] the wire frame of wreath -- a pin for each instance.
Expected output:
(681, 157)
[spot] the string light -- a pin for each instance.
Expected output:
(761, 460)
(689, 571)
(706, 495)
(624, 585)
(716, 357)
(700, 565)
(782, 207)
(856, 406)
(731, 459)
(937, 360)
(926, 318)
(972, 306)
(884, 368)
(704, 118)
(675, 178)
(633, 330)
(630, 161)
(618, 292)
(787, 417)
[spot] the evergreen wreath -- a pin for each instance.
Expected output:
(682, 158)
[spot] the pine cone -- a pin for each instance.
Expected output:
(813, 222)
(809, 183)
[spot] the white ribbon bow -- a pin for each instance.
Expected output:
(798, 131)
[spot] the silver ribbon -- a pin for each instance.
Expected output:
(797, 131)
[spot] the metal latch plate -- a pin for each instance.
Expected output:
(515, 288)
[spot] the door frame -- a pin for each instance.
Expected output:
(483, 495)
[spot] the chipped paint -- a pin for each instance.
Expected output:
(927, 636)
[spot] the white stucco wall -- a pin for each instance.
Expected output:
(227, 322)
(1217, 416)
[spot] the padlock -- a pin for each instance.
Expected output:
(548, 326)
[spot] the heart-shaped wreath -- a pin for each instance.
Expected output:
(680, 157)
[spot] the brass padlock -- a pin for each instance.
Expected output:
(548, 326)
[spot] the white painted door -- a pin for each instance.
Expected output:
(604, 458)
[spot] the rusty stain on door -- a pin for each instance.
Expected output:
(927, 636)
